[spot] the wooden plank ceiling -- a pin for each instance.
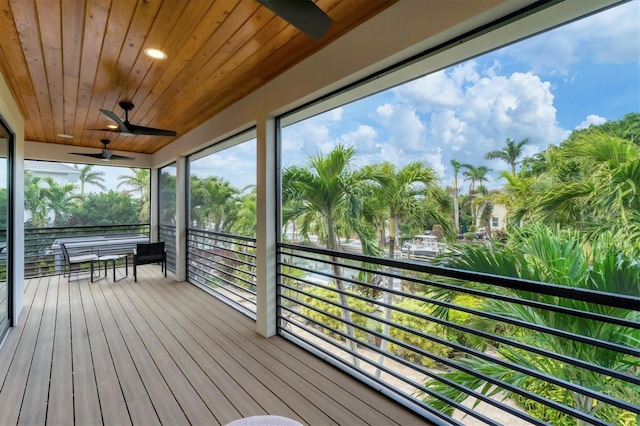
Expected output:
(66, 59)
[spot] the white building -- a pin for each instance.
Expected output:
(61, 173)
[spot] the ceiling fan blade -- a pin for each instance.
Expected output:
(122, 127)
(98, 155)
(127, 129)
(302, 14)
(120, 157)
(142, 130)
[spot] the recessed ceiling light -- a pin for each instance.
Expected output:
(112, 126)
(155, 53)
(62, 135)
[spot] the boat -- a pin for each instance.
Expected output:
(423, 246)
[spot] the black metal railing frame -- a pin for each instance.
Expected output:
(167, 233)
(229, 258)
(39, 257)
(619, 301)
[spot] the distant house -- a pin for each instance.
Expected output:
(61, 173)
(498, 218)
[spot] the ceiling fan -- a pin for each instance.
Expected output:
(302, 14)
(127, 129)
(105, 155)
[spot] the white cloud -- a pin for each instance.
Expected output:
(310, 136)
(237, 165)
(489, 109)
(434, 159)
(440, 89)
(385, 110)
(467, 110)
(612, 36)
(592, 119)
(364, 137)
(405, 127)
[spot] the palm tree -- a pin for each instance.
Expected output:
(401, 192)
(139, 181)
(521, 196)
(219, 202)
(483, 206)
(324, 192)
(59, 198)
(34, 200)
(510, 153)
(543, 255)
(475, 175)
(243, 221)
(87, 175)
(167, 197)
(593, 184)
(456, 192)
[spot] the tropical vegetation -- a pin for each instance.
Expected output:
(573, 219)
(49, 203)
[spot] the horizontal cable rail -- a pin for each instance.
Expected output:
(43, 257)
(441, 340)
(225, 266)
(167, 233)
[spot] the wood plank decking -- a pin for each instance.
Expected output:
(161, 351)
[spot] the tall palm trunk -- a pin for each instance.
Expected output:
(456, 204)
(345, 313)
(387, 297)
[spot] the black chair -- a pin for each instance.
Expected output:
(148, 253)
(73, 264)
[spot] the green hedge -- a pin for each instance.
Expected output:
(326, 307)
(418, 324)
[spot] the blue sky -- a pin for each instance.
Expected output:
(542, 88)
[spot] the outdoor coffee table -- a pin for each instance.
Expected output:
(113, 259)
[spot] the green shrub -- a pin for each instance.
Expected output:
(466, 301)
(410, 338)
(553, 392)
(463, 318)
(322, 306)
(469, 236)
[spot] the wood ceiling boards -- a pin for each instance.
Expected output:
(65, 59)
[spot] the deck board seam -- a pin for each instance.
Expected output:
(240, 364)
(120, 361)
(121, 323)
(205, 349)
(270, 342)
(157, 338)
(186, 363)
(239, 347)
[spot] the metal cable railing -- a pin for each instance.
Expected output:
(167, 233)
(225, 266)
(42, 254)
(459, 346)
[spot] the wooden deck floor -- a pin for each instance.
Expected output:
(161, 351)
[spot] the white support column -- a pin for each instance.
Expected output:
(266, 226)
(181, 218)
(154, 202)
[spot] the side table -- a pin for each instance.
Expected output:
(112, 258)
